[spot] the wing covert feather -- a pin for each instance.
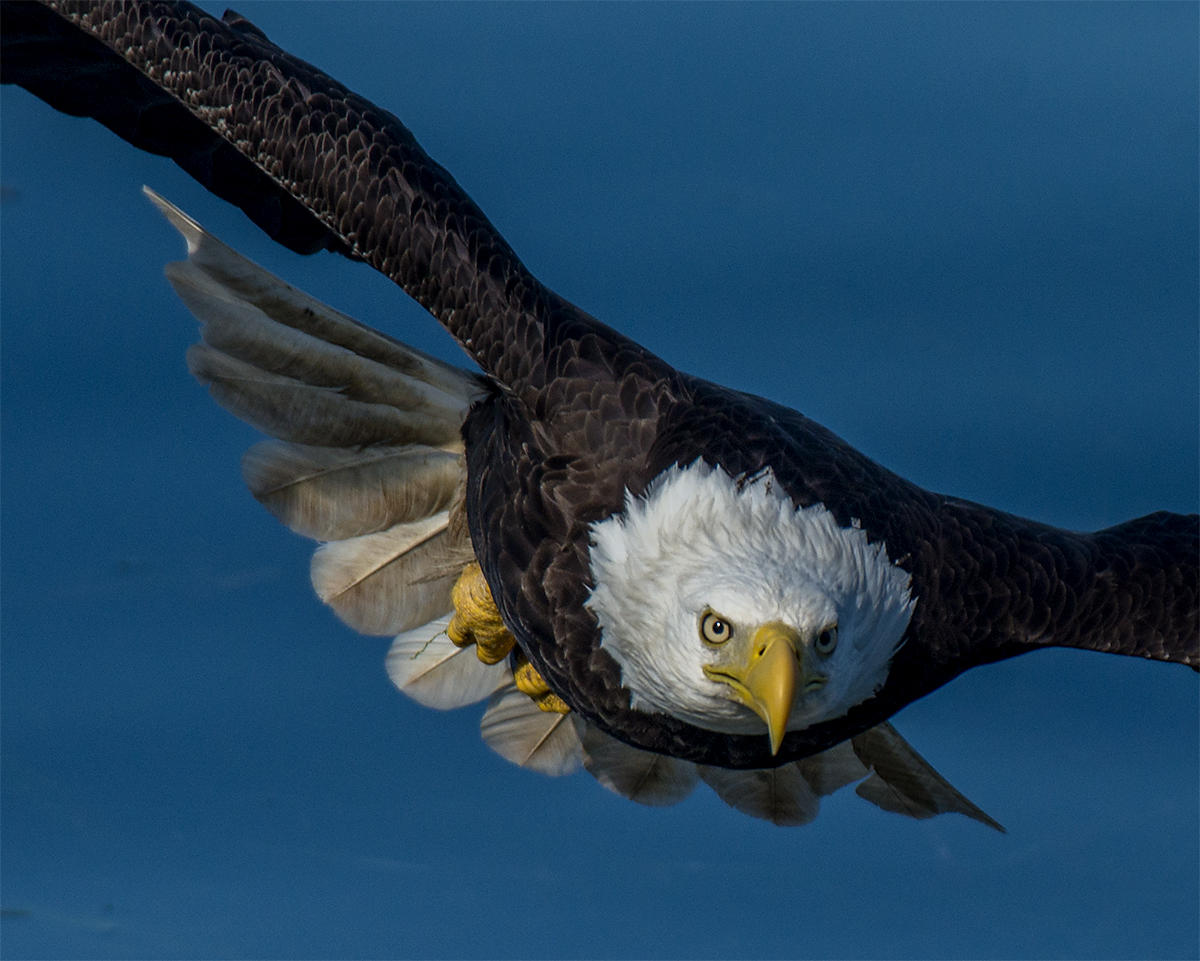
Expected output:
(311, 162)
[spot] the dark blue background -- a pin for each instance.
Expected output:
(962, 237)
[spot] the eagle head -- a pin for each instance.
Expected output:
(728, 607)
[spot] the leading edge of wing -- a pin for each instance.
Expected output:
(312, 163)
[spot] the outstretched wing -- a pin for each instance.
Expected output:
(312, 163)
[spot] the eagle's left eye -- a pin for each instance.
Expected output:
(714, 628)
(826, 641)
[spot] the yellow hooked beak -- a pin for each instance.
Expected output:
(765, 676)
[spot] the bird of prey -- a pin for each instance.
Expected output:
(665, 579)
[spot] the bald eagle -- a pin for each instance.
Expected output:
(657, 576)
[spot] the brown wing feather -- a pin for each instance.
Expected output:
(989, 585)
(312, 163)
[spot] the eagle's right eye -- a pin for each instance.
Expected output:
(714, 628)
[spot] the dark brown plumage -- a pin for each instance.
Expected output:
(577, 413)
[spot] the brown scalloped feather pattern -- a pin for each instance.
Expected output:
(312, 163)
(989, 585)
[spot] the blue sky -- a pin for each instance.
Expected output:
(962, 237)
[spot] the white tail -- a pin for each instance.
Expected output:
(367, 455)
(431, 669)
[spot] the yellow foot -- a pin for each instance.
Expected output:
(476, 619)
(530, 682)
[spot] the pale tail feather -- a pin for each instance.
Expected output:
(301, 413)
(905, 783)
(333, 494)
(283, 303)
(642, 776)
(833, 769)
(780, 795)
(431, 669)
(519, 731)
(387, 583)
(898, 780)
(243, 331)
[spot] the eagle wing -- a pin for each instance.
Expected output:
(312, 163)
(988, 585)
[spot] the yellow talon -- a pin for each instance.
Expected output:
(476, 619)
(530, 682)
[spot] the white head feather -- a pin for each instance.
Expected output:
(700, 539)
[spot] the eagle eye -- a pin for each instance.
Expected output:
(826, 641)
(714, 629)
